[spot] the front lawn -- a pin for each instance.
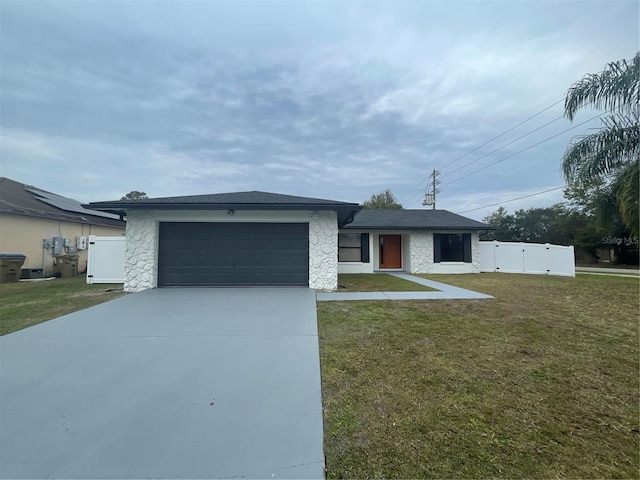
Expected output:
(542, 382)
(24, 304)
(379, 282)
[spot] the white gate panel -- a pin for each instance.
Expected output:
(535, 259)
(562, 261)
(106, 259)
(488, 256)
(509, 258)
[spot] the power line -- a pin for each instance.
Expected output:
(419, 192)
(519, 184)
(419, 186)
(528, 148)
(504, 133)
(504, 146)
(513, 199)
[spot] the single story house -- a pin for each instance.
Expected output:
(259, 239)
(29, 216)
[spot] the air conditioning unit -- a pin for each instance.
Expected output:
(81, 243)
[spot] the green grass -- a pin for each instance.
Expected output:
(379, 282)
(24, 304)
(542, 382)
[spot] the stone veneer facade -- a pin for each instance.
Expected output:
(141, 251)
(420, 252)
(475, 252)
(323, 250)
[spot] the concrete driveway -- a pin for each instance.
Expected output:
(168, 383)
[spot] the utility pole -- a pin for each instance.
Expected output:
(432, 189)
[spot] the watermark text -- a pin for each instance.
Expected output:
(626, 241)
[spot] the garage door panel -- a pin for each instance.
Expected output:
(221, 254)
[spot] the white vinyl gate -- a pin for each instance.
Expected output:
(105, 262)
(535, 258)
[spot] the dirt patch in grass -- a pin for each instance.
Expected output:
(541, 382)
(28, 303)
(378, 282)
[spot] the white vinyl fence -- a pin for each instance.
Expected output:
(535, 258)
(105, 262)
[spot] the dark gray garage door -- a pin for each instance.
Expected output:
(219, 254)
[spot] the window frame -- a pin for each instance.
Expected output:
(363, 247)
(464, 249)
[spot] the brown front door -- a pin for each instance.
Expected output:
(390, 251)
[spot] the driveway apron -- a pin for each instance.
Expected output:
(167, 383)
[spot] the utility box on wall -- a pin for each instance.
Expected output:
(81, 243)
(58, 245)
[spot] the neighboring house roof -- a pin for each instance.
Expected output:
(413, 220)
(231, 201)
(19, 199)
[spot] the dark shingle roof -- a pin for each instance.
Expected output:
(414, 220)
(233, 201)
(225, 200)
(19, 199)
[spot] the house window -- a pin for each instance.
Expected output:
(353, 247)
(451, 247)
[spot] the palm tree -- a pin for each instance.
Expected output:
(611, 154)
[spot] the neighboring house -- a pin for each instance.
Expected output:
(259, 238)
(29, 216)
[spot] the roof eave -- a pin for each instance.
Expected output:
(436, 227)
(117, 206)
(92, 220)
(346, 211)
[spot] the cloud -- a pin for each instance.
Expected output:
(320, 99)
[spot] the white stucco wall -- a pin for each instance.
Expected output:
(452, 267)
(323, 250)
(355, 267)
(141, 251)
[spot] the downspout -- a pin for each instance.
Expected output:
(350, 218)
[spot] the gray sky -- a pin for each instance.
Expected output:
(321, 99)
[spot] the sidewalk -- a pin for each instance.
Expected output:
(609, 272)
(446, 292)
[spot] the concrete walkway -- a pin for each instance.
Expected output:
(445, 292)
